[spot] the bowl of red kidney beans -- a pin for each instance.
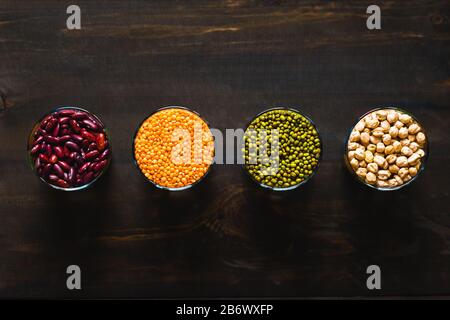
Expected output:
(69, 149)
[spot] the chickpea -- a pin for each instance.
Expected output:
(378, 132)
(392, 116)
(399, 125)
(359, 154)
(382, 184)
(354, 163)
(384, 174)
(420, 137)
(372, 123)
(399, 180)
(414, 146)
(379, 160)
(403, 172)
(385, 126)
(360, 125)
(405, 118)
(351, 155)
(381, 114)
(406, 151)
(354, 136)
(391, 158)
(380, 147)
(387, 139)
(372, 167)
(407, 178)
(389, 149)
(368, 156)
(393, 168)
(352, 145)
(393, 131)
(393, 183)
(412, 171)
(411, 138)
(413, 128)
(371, 178)
(403, 133)
(365, 138)
(397, 146)
(361, 172)
(374, 139)
(421, 153)
(413, 159)
(372, 148)
(401, 161)
(405, 142)
(362, 164)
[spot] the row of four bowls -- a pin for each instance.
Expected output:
(69, 148)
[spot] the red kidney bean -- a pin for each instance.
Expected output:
(64, 131)
(35, 149)
(100, 165)
(81, 160)
(46, 170)
(55, 131)
(53, 178)
(86, 135)
(59, 172)
(92, 146)
(71, 176)
(84, 167)
(43, 147)
(88, 177)
(77, 138)
(75, 127)
(64, 165)
(85, 144)
(104, 155)
(67, 151)
(51, 124)
(66, 112)
(91, 154)
(62, 183)
(64, 120)
(90, 125)
(59, 152)
(53, 159)
(51, 140)
(48, 150)
(65, 138)
(38, 140)
(43, 158)
(72, 146)
(101, 141)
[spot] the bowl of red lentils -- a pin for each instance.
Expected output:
(173, 148)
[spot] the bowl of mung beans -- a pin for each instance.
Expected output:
(174, 148)
(282, 149)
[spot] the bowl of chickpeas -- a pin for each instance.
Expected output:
(387, 149)
(174, 148)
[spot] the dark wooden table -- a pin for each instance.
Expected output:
(228, 60)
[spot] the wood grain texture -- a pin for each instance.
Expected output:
(228, 60)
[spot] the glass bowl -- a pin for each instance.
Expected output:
(319, 159)
(153, 182)
(32, 160)
(423, 159)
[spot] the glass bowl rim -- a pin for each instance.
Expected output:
(423, 160)
(319, 160)
(37, 125)
(134, 154)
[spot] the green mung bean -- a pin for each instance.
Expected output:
(281, 148)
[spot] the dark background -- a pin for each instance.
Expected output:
(228, 60)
